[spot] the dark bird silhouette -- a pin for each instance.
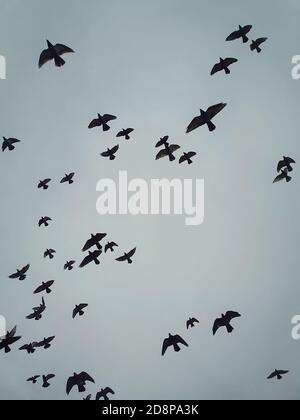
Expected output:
(111, 153)
(278, 374)
(49, 253)
(173, 340)
(78, 380)
(223, 65)
(30, 348)
(44, 221)
(163, 141)
(46, 379)
(286, 162)
(110, 246)
(103, 393)
(187, 157)
(283, 175)
(88, 397)
(102, 120)
(69, 265)
(255, 45)
(44, 184)
(125, 133)
(44, 287)
(9, 144)
(68, 178)
(91, 257)
(191, 322)
(224, 321)
(34, 379)
(20, 274)
(168, 151)
(46, 342)
(78, 310)
(94, 241)
(9, 339)
(205, 117)
(240, 33)
(54, 52)
(127, 256)
(37, 311)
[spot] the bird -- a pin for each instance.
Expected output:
(125, 133)
(278, 374)
(224, 321)
(240, 33)
(110, 246)
(44, 221)
(9, 144)
(49, 253)
(94, 240)
(111, 153)
(44, 287)
(46, 379)
(30, 348)
(285, 162)
(20, 274)
(37, 311)
(102, 120)
(92, 256)
(78, 380)
(9, 339)
(163, 141)
(173, 340)
(283, 175)
(191, 322)
(69, 265)
(103, 393)
(205, 117)
(127, 256)
(168, 151)
(78, 310)
(187, 157)
(68, 178)
(44, 184)
(34, 379)
(223, 65)
(54, 52)
(255, 45)
(46, 342)
(88, 397)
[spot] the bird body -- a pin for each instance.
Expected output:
(286, 162)
(20, 274)
(94, 241)
(78, 380)
(78, 310)
(44, 221)
(173, 340)
(49, 253)
(69, 265)
(9, 144)
(111, 153)
(283, 175)
(223, 65)
(46, 379)
(190, 323)
(44, 287)
(9, 339)
(54, 52)
(102, 120)
(255, 45)
(205, 117)
(110, 246)
(46, 342)
(168, 151)
(240, 33)
(44, 184)
(68, 178)
(187, 157)
(125, 133)
(91, 257)
(30, 348)
(127, 256)
(224, 321)
(278, 374)
(103, 393)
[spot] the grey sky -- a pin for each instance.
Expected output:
(148, 62)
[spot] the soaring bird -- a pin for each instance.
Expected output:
(78, 310)
(91, 257)
(111, 153)
(205, 117)
(278, 374)
(283, 175)
(20, 274)
(173, 340)
(9, 339)
(224, 321)
(78, 380)
(69, 265)
(127, 256)
(34, 379)
(44, 221)
(286, 162)
(102, 120)
(255, 45)
(46, 342)
(191, 322)
(110, 246)
(68, 178)
(9, 144)
(54, 52)
(125, 133)
(103, 393)
(44, 184)
(49, 253)
(163, 141)
(30, 348)
(37, 311)
(187, 157)
(168, 151)
(223, 65)
(240, 33)
(46, 379)
(44, 287)
(94, 241)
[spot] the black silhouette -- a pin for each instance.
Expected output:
(111, 153)
(255, 45)
(94, 241)
(46, 379)
(163, 141)
(103, 393)
(110, 246)
(69, 265)
(168, 151)
(125, 133)
(44, 287)
(283, 175)
(44, 221)
(78, 310)
(34, 379)
(9, 144)
(9, 339)
(92, 257)
(49, 253)
(191, 322)
(20, 274)
(68, 178)
(37, 311)
(278, 374)
(78, 380)
(44, 184)
(285, 162)
(46, 342)
(54, 52)
(173, 340)
(187, 157)
(30, 348)
(224, 321)
(102, 120)
(127, 256)
(223, 65)
(88, 397)
(205, 117)
(240, 33)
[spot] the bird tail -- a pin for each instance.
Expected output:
(7, 349)
(258, 49)
(22, 278)
(97, 262)
(106, 127)
(190, 161)
(288, 178)
(46, 187)
(11, 147)
(112, 157)
(130, 261)
(229, 328)
(245, 39)
(176, 347)
(127, 137)
(279, 377)
(211, 126)
(171, 157)
(81, 313)
(289, 168)
(48, 291)
(227, 71)
(71, 181)
(46, 385)
(59, 62)
(81, 388)
(47, 346)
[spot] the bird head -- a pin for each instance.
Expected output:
(240, 27)
(202, 112)
(49, 43)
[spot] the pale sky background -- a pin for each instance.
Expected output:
(148, 62)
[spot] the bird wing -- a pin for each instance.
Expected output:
(173, 148)
(108, 117)
(50, 376)
(162, 141)
(70, 383)
(86, 261)
(106, 154)
(281, 164)
(114, 149)
(25, 347)
(182, 159)
(217, 67)
(234, 35)
(231, 315)
(14, 276)
(228, 61)
(108, 390)
(95, 123)
(12, 332)
(82, 306)
(131, 253)
(86, 377)
(290, 160)
(195, 123)
(279, 178)
(216, 326)
(283, 372)
(179, 339)
(163, 153)
(191, 154)
(167, 343)
(89, 243)
(123, 258)
(39, 289)
(214, 110)
(75, 312)
(121, 133)
(62, 49)
(25, 269)
(260, 41)
(273, 375)
(45, 56)
(49, 283)
(195, 320)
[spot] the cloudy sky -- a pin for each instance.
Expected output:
(148, 62)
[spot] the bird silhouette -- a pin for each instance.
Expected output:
(78, 310)
(46, 379)
(20, 274)
(278, 374)
(125, 133)
(44, 287)
(286, 162)
(111, 153)
(44, 221)
(190, 323)
(205, 117)
(103, 393)
(255, 45)
(9, 144)
(78, 380)
(173, 340)
(94, 241)
(91, 257)
(102, 120)
(168, 151)
(110, 246)
(223, 65)
(127, 256)
(49, 253)
(46, 342)
(54, 52)
(224, 321)
(37, 311)
(69, 265)
(283, 175)
(44, 184)
(187, 157)
(30, 348)
(34, 379)
(68, 178)
(9, 339)
(240, 33)
(163, 141)
(88, 397)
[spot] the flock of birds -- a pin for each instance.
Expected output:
(94, 246)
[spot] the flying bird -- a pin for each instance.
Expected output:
(125, 133)
(46, 379)
(78, 380)
(94, 241)
(49, 253)
(283, 175)
(205, 117)
(103, 393)
(44, 287)
(168, 151)
(44, 221)
(240, 33)
(20, 274)
(111, 153)
(69, 265)
(224, 321)
(9, 339)
(34, 379)
(127, 256)
(9, 144)
(191, 322)
(68, 178)
(102, 120)
(54, 52)
(30, 348)
(44, 184)
(223, 65)
(110, 246)
(173, 340)
(255, 45)
(278, 374)
(78, 310)
(285, 162)
(91, 257)
(163, 141)
(37, 311)
(187, 157)
(46, 342)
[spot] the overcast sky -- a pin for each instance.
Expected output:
(148, 62)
